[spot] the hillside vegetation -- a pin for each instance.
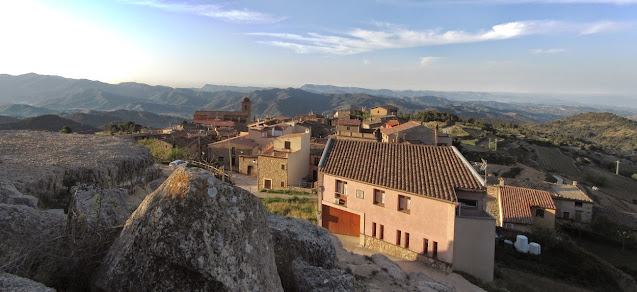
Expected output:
(603, 130)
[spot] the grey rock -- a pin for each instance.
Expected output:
(10, 282)
(10, 195)
(392, 268)
(318, 279)
(421, 282)
(46, 165)
(194, 233)
(96, 208)
(296, 238)
(23, 228)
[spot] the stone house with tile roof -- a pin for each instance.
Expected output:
(383, 110)
(285, 163)
(412, 201)
(521, 208)
(571, 202)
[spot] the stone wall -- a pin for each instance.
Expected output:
(397, 251)
(270, 168)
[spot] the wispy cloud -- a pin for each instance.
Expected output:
(426, 61)
(548, 51)
(360, 40)
(211, 10)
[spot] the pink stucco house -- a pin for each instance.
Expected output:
(414, 201)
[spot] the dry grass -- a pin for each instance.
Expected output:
(304, 208)
(554, 161)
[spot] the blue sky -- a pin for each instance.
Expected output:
(549, 46)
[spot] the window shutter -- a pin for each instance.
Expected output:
(383, 196)
(408, 203)
(345, 188)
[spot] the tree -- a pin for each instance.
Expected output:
(66, 130)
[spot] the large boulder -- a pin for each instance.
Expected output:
(10, 195)
(194, 233)
(13, 283)
(299, 239)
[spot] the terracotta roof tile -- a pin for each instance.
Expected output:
(517, 202)
(432, 171)
(400, 128)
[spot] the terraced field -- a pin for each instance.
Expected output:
(553, 160)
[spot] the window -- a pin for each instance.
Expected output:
(406, 239)
(282, 166)
(425, 246)
(221, 158)
(398, 236)
(282, 184)
(466, 203)
(379, 197)
(382, 232)
(578, 204)
(404, 203)
(435, 251)
(539, 213)
(317, 160)
(341, 187)
(233, 151)
(288, 145)
(566, 215)
(373, 229)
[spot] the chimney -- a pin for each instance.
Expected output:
(501, 181)
(575, 183)
(436, 135)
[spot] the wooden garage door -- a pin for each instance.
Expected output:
(341, 222)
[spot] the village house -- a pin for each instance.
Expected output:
(316, 151)
(414, 133)
(372, 123)
(521, 208)
(571, 203)
(383, 110)
(418, 202)
(226, 153)
(351, 128)
(314, 117)
(285, 163)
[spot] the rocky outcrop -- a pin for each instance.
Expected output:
(316, 279)
(23, 229)
(9, 282)
(10, 195)
(46, 165)
(194, 233)
(299, 239)
(93, 208)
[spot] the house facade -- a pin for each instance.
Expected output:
(241, 117)
(383, 110)
(285, 163)
(227, 152)
(412, 201)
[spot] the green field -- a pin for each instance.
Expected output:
(303, 208)
(554, 161)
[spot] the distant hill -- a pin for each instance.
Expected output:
(242, 89)
(46, 123)
(23, 110)
(54, 94)
(99, 119)
(5, 119)
(604, 130)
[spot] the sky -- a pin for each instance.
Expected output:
(534, 46)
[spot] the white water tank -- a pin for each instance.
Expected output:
(535, 248)
(521, 244)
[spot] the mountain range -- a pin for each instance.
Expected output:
(31, 94)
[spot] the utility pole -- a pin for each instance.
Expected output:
(617, 169)
(489, 143)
